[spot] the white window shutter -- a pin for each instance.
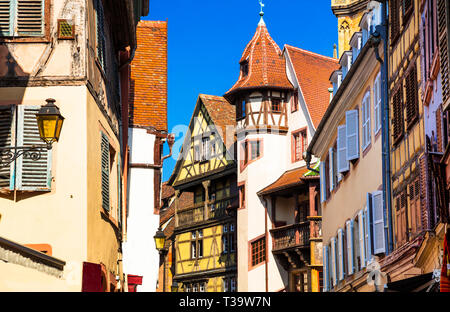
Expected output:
(32, 175)
(341, 254)
(342, 162)
(368, 228)
(378, 223)
(377, 103)
(361, 234)
(366, 133)
(6, 140)
(326, 270)
(350, 255)
(331, 172)
(323, 184)
(352, 134)
(334, 268)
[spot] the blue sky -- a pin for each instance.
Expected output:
(207, 37)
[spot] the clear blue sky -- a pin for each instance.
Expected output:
(207, 37)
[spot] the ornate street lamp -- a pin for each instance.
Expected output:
(50, 122)
(174, 286)
(160, 240)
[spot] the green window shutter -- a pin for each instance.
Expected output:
(32, 175)
(6, 126)
(30, 17)
(105, 171)
(6, 18)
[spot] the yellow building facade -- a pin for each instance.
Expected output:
(204, 250)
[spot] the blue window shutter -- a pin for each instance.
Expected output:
(378, 223)
(105, 163)
(30, 17)
(334, 268)
(361, 237)
(352, 134)
(6, 135)
(326, 270)
(323, 185)
(368, 228)
(350, 254)
(341, 254)
(331, 173)
(32, 175)
(6, 18)
(342, 162)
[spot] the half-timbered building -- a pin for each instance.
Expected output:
(279, 98)
(205, 230)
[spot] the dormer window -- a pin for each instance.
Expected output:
(346, 63)
(244, 68)
(241, 109)
(365, 26)
(356, 43)
(336, 79)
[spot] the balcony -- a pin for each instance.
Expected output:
(197, 214)
(291, 236)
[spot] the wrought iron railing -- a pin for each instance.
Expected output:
(294, 235)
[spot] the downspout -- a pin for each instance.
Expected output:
(307, 159)
(267, 241)
(382, 34)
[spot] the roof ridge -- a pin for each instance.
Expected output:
(313, 53)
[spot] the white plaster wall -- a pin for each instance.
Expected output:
(140, 256)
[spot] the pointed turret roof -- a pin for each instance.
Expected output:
(266, 64)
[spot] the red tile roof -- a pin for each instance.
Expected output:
(223, 115)
(148, 87)
(288, 179)
(313, 72)
(267, 66)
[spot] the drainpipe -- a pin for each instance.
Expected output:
(382, 34)
(267, 241)
(307, 159)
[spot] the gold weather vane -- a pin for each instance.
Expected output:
(262, 6)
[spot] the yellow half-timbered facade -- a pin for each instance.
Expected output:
(205, 229)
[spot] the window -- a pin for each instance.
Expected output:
(22, 18)
(199, 195)
(228, 238)
(294, 105)
(258, 251)
(101, 43)
(197, 244)
(229, 284)
(255, 150)
(377, 103)
(397, 122)
(395, 20)
(245, 153)
(233, 284)
(300, 144)
(205, 151)
(244, 68)
(24, 174)
(105, 164)
(276, 105)
(412, 104)
(242, 196)
(414, 201)
(366, 127)
(408, 6)
(241, 109)
(352, 134)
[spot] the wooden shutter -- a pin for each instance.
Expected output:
(368, 228)
(341, 254)
(334, 261)
(350, 247)
(101, 43)
(377, 103)
(326, 269)
(378, 223)
(397, 121)
(6, 18)
(366, 127)
(412, 104)
(342, 162)
(352, 134)
(32, 175)
(400, 218)
(119, 190)
(444, 48)
(361, 237)
(6, 140)
(30, 17)
(395, 20)
(323, 187)
(415, 207)
(331, 173)
(105, 155)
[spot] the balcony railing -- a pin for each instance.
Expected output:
(294, 235)
(316, 227)
(197, 213)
